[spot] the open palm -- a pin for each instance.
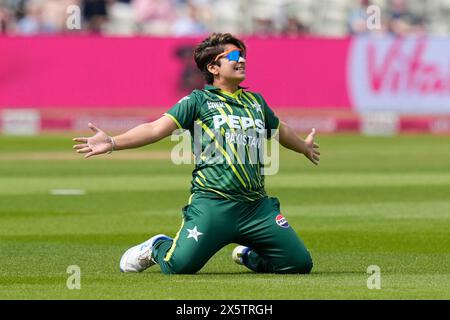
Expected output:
(312, 153)
(99, 143)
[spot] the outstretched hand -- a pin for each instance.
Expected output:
(311, 151)
(99, 143)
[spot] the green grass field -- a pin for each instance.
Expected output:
(372, 201)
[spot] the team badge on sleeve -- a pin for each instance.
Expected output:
(281, 221)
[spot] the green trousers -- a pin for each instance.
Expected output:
(210, 223)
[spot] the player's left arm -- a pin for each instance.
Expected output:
(289, 139)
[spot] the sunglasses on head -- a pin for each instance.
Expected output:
(231, 55)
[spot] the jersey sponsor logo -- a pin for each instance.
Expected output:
(281, 221)
(215, 104)
(237, 122)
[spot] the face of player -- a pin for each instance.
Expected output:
(229, 71)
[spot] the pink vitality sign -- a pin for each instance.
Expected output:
(96, 72)
(403, 75)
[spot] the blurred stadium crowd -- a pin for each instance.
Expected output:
(333, 18)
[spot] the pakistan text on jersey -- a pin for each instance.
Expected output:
(217, 146)
(243, 139)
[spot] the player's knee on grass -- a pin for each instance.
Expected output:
(305, 264)
(299, 264)
(184, 267)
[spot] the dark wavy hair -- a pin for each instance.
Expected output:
(210, 47)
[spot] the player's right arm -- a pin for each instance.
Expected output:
(139, 136)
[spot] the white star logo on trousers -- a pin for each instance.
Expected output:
(194, 233)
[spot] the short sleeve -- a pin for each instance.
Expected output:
(184, 112)
(270, 119)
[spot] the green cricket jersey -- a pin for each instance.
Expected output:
(228, 132)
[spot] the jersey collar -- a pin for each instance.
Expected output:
(231, 95)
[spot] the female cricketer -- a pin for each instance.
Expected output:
(228, 202)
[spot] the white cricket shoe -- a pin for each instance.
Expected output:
(239, 253)
(139, 258)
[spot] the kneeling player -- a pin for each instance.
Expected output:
(228, 203)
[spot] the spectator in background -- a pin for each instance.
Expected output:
(418, 26)
(42, 16)
(188, 23)
(121, 18)
(95, 15)
(263, 26)
(155, 16)
(400, 19)
(267, 18)
(196, 17)
(30, 24)
(294, 28)
(357, 20)
(54, 14)
(5, 20)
